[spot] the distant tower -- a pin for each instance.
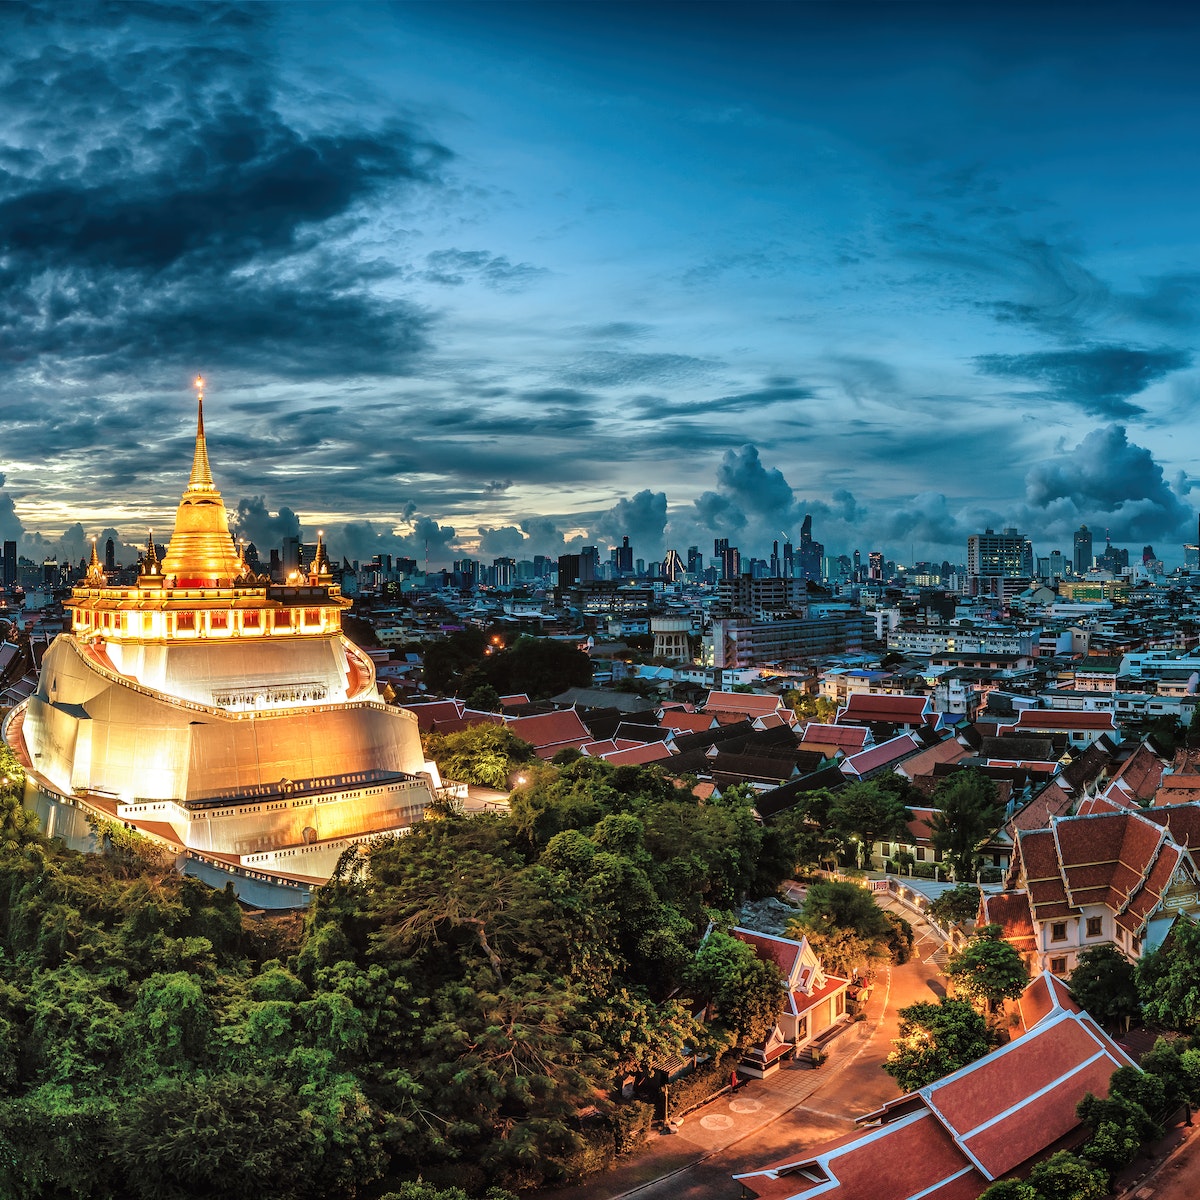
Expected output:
(10, 563)
(1083, 550)
(110, 556)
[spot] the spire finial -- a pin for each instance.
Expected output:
(201, 477)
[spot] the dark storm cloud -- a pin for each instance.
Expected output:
(642, 518)
(456, 267)
(254, 522)
(1107, 477)
(1097, 379)
(157, 205)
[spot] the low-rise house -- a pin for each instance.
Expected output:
(813, 1000)
(991, 1119)
(1081, 728)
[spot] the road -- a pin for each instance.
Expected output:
(789, 1114)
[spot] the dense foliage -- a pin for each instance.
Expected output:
(1103, 983)
(471, 664)
(1168, 979)
(484, 754)
(459, 1008)
(958, 905)
(935, 1039)
(848, 930)
(967, 812)
(987, 969)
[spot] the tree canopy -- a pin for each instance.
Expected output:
(988, 969)
(935, 1039)
(967, 812)
(461, 1010)
(1168, 979)
(1104, 984)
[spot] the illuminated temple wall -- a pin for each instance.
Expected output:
(88, 732)
(208, 671)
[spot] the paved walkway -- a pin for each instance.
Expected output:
(796, 1109)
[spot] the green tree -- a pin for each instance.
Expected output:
(935, 1039)
(1011, 1189)
(901, 940)
(446, 660)
(864, 813)
(538, 668)
(481, 754)
(967, 812)
(1104, 985)
(958, 905)
(1168, 979)
(988, 969)
(745, 991)
(1065, 1176)
(845, 927)
(810, 708)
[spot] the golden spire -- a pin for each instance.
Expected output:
(150, 560)
(95, 576)
(201, 553)
(201, 478)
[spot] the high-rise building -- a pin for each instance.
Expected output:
(110, 556)
(810, 552)
(729, 557)
(788, 564)
(10, 563)
(875, 568)
(695, 561)
(1005, 555)
(622, 558)
(672, 567)
(775, 560)
(504, 571)
(1083, 550)
(589, 564)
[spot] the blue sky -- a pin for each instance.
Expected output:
(508, 278)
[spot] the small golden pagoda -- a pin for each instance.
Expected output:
(220, 712)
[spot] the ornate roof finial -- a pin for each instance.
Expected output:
(95, 576)
(150, 563)
(201, 477)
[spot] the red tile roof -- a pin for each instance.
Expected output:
(549, 733)
(849, 737)
(949, 751)
(866, 707)
(686, 722)
(882, 755)
(911, 1156)
(648, 752)
(435, 710)
(1057, 719)
(742, 702)
(1010, 910)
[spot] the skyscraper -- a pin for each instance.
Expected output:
(1005, 555)
(10, 563)
(1083, 550)
(810, 551)
(110, 556)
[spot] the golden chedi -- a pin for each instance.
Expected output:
(219, 712)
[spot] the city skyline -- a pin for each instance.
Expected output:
(548, 275)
